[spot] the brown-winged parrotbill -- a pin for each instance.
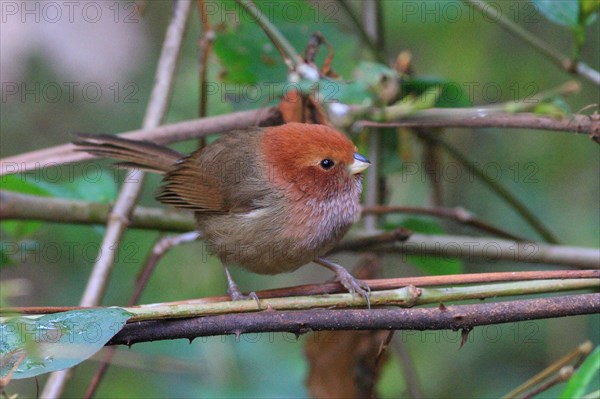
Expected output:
(267, 199)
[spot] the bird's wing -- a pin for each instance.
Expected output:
(223, 177)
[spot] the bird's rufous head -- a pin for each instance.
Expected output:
(313, 160)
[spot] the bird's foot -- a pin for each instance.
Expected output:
(352, 284)
(236, 295)
(234, 292)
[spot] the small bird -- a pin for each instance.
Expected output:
(267, 199)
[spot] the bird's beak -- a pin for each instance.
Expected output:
(360, 163)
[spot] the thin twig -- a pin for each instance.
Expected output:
(433, 117)
(119, 217)
(500, 190)
(371, 26)
(375, 49)
(299, 322)
(563, 375)
(192, 129)
(17, 206)
(580, 352)
(472, 248)
(478, 249)
(205, 46)
(160, 248)
(411, 379)
(555, 56)
(459, 215)
(287, 51)
(479, 118)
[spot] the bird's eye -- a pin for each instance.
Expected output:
(327, 164)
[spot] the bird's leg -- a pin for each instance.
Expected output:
(233, 290)
(352, 284)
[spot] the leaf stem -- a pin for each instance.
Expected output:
(555, 56)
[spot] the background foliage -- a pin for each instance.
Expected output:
(554, 173)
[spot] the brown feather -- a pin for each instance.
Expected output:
(135, 153)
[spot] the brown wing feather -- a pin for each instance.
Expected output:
(189, 186)
(224, 177)
(134, 153)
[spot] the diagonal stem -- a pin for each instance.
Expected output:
(119, 217)
(555, 56)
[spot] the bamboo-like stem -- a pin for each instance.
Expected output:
(119, 216)
(379, 284)
(403, 297)
(161, 246)
(408, 296)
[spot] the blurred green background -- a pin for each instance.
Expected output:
(110, 65)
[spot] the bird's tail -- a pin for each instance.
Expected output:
(133, 153)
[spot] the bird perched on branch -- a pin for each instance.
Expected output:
(267, 199)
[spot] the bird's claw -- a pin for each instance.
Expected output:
(236, 295)
(354, 285)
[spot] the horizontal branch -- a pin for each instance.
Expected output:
(165, 134)
(433, 117)
(461, 317)
(480, 118)
(23, 206)
(479, 249)
(408, 296)
(16, 206)
(378, 284)
(459, 215)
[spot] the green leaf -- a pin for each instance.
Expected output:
(249, 57)
(561, 12)
(56, 341)
(587, 11)
(580, 382)
(431, 264)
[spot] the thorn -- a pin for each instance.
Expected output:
(442, 307)
(464, 335)
(191, 339)
(237, 335)
(302, 331)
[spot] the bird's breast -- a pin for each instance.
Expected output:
(284, 235)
